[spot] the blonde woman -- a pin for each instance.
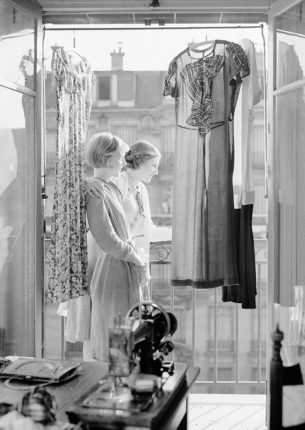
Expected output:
(115, 267)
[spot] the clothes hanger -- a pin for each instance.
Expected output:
(56, 47)
(67, 55)
(74, 51)
(195, 45)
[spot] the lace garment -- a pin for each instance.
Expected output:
(68, 276)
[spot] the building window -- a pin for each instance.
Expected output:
(126, 86)
(223, 374)
(104, 87)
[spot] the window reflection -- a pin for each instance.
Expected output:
(16, 223)
(16, 45)
(290, 153)
(290, 36)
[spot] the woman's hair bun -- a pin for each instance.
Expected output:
(129, 156)
(139, 153)
(133, 160)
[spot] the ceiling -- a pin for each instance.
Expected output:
(153, 11)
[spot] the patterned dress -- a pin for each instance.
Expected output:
(205, 91)
(68, 278)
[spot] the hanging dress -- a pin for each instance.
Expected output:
(205, 91)
(68, 277)
(250, 95)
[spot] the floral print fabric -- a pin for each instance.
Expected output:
(68, 277)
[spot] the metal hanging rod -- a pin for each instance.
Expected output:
(149, 27)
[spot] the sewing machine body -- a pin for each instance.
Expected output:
(151, 338)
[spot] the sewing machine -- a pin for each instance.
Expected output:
(151, 338)
(153, 395)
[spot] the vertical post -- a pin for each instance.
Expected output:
(276, 382)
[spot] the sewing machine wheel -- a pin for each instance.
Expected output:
(153, 312)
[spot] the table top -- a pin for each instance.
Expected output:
(70, 394)
(66, 393)
(161, 405)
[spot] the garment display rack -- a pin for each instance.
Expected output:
(149, 27)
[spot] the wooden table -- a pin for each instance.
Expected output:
(167, 412)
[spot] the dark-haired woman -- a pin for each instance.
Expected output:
(142, 162)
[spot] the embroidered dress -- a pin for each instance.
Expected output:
(68, 277)
(205, 91)
(197, 79)
(137, 210)
(115, 279)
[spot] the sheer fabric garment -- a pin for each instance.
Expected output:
(204, 250)
(289, 179)
(139, 219)
(68, 277)
(250, 95)
(114, 278)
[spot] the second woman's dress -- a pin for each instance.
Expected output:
(137, 210)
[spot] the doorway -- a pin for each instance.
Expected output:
(130, 65)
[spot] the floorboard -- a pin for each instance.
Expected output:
(227, 412)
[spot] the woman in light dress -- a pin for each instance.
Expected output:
(116, 269)
(142, 162)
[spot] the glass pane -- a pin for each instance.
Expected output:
(205, 333)
(290, 153)
(16, 45)
(17, 221)
(290, 39)
(183, 311)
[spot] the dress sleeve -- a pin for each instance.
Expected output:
(104, 234)
(238, 69)
(170, 82)
(239, 65)
(150, 225)
(254, 87)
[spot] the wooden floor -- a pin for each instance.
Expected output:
(227, 412)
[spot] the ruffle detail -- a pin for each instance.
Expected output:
(197, 78)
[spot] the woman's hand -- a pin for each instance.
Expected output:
(143, 274)
(139, 261)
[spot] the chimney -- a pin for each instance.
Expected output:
(117, 59)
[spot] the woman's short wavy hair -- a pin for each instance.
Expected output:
(140, 152)
(101, 146)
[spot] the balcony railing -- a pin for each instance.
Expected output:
(227, 342)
